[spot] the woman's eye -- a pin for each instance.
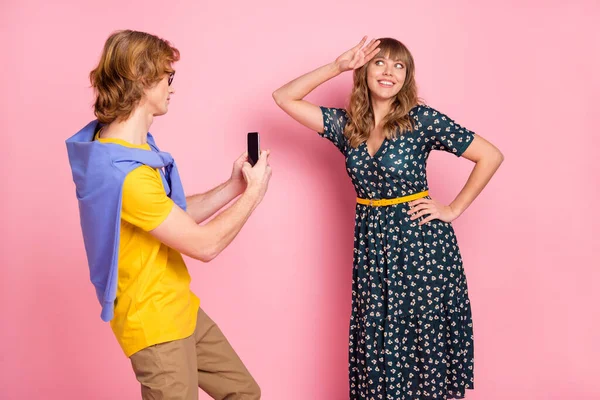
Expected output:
(399, 66)
(379, 62)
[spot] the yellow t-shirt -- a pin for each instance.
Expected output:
(154, 302)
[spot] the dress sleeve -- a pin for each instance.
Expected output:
(442, 132)
(334, 122)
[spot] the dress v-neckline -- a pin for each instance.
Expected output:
(377, 151)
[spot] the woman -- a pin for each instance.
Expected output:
(411, 333)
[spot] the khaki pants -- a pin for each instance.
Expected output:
(174, 370)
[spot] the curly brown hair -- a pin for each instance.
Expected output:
(131, 62)
(360, 110)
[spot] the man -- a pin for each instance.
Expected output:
(136, 221)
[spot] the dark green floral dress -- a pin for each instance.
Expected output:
(411, 333)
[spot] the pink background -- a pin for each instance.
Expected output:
(522, 74)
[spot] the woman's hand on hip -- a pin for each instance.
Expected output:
(431, 209)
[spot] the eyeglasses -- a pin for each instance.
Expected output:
(171, 75)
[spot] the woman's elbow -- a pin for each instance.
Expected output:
(279, 98)
(276, 96)
(491, 156)
(499, 157)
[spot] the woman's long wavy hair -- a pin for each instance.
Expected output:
(360, 110)
(130, 63)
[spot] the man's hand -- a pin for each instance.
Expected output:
(257, 177)
(237, 177)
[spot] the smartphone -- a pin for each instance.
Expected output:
(253, 147)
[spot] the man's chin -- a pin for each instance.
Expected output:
(162, 112)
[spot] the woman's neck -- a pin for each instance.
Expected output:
(381, 108)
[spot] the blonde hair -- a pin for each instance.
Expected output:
(131, 62)
(361, 120)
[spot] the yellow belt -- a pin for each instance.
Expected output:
(390, 202)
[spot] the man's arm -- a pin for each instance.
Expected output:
(202, 206)
(204, 242)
